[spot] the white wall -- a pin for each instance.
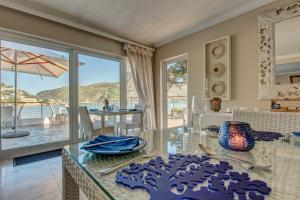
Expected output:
(243, 31)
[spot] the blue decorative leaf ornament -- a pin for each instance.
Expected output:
(179, 179)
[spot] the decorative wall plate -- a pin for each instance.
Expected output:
(218, 88)
(218, 50)
(218, 70)
(217, 66)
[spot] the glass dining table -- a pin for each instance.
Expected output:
(81, 170)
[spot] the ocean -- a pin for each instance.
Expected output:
(38, 111)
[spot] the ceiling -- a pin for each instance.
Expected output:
(149, 22)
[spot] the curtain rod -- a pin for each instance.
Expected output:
(70, 23)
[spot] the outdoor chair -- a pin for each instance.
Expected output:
(7, 116)
(59, 115)
(135, 122)
(86, 126)
(19, 117)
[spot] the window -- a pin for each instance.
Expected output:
(35, 96)
(98, 79)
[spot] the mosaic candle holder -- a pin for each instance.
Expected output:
(236, 136)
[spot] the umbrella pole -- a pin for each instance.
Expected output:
(15, 133)
(16, 87)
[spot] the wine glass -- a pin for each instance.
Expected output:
(199, 108)
(203, 111)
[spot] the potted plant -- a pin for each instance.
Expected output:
(215, 104)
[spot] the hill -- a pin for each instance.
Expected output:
(88, 93)
(8, 95)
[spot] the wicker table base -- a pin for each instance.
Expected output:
(74, 178)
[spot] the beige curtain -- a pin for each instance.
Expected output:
(140, 60)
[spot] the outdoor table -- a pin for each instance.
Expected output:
(120, 113)
(81, 169)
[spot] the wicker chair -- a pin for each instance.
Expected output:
(283, 122)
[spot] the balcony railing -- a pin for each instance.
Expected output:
(176, 104)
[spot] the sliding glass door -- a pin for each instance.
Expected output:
(42, 85)
(34, 95)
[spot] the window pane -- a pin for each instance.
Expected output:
(99, 80)
(40, 78)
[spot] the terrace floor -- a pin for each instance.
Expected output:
(39, 134)
(175, 122)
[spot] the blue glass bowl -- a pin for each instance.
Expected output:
(236, 136)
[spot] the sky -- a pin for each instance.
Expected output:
(92, 70)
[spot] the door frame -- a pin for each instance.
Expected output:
(164, 93)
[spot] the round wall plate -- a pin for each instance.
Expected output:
(218, 70)
(218, 88)
(218, 50)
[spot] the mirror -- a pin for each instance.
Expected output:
(287, 51)
(279, 52)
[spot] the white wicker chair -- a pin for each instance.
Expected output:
(283, 122)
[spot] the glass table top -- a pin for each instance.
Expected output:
(283, 157)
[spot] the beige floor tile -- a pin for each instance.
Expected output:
(4, 164)
(2, 175)
(82, 196)
(53, 196)
(29, 189)
(41, 172)
(1, 194)
(57, 173)
(55, 164)
(35, 181)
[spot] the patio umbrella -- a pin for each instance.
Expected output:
(43, 63)
(33, 60)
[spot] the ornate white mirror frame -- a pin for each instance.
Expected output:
(266, 21)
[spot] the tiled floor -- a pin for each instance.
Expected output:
(36, 181)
